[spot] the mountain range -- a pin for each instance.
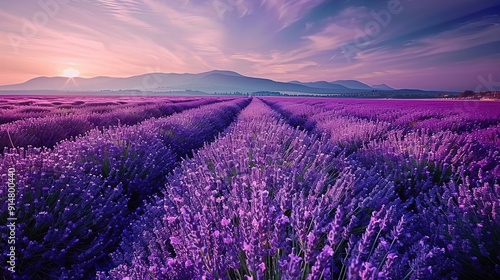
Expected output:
(211, 82)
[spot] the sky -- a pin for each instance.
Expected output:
(426, 44)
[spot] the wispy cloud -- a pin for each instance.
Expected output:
(289, 11)
(422, 53)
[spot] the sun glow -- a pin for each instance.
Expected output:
(70, 73)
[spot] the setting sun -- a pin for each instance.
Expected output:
(70, 73)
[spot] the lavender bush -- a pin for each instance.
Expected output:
(76, 199)
(48, 130)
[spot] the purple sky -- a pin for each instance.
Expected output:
(441, 45)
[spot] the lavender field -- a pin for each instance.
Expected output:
(249, 188)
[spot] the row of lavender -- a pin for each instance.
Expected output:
(442, 156)
(359, 121)
(352, 196)
(74, 200)
(13, 108)
(48, 129)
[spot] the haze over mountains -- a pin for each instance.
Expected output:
(210, 82)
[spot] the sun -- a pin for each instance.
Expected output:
(70, 73)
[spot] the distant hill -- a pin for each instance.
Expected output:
(353, 84)
(323, 84)
(220, 82)
(382, 87)
(224, 72)
(212, 82)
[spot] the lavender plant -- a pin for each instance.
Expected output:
(48, 130)
(243, 207)
(77, 198)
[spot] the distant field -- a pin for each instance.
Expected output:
(250, 188)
